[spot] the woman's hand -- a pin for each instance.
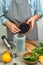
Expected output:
(12, 27)
(32, 20)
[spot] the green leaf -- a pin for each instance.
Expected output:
(41, 44)
(14, 63)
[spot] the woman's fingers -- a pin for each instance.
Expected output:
(28, 22)
(16, 28)
(12, 27)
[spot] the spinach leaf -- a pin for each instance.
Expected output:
(14, 63)
(38, 50)
(31, 57)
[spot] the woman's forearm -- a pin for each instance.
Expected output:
(36, 17)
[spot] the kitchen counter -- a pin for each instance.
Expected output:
(17, 60)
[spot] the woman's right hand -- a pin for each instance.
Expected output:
(12, 27)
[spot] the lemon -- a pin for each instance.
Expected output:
(6, 57)
(41, 58)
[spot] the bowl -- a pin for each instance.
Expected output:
(24, 27)
(28, 61)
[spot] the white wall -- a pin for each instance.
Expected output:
(40, 24)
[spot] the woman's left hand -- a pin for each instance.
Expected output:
(31, 21)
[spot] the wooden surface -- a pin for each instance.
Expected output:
(30, 45)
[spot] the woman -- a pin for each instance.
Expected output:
(21, 10)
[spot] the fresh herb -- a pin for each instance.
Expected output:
(39, 49)
(31, 58)
(14, 63)
(41, 44)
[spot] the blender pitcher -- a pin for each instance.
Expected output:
(19, 41)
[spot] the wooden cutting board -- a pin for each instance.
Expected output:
(30, 45)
